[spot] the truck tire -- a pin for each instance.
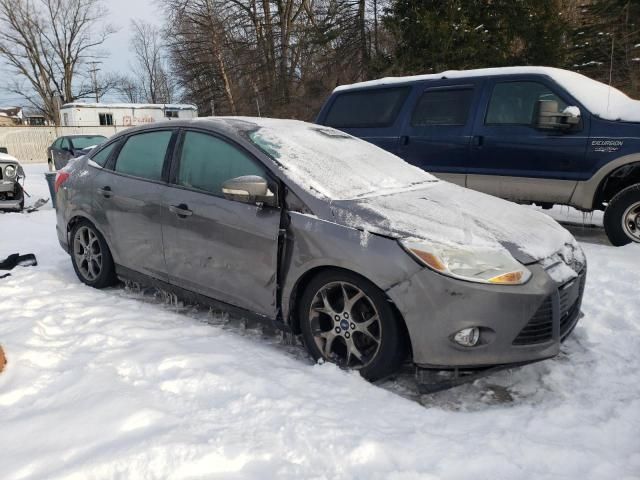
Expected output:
(622, 217)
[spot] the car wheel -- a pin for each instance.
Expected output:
(91, 256)
(622, 217)
(347, 320)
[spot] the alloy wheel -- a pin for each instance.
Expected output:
(345, 325)
(87, 253)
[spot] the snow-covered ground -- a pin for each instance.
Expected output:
(116, 384)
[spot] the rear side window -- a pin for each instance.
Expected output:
(515, 103)
(143, 155)
(207, 162)
(366, 109)
(103, 155)
(443, 107)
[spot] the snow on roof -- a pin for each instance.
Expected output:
(164, 106)
(7, 158)
(600, 99)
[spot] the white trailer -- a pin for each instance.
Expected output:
(122, 114)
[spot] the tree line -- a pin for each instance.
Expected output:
(283, 57)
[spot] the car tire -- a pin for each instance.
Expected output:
(91, 257)
(622, 217)
(347, 320)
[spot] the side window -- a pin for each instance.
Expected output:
(65, 143)
(366, 109)
(143, 155)
(515, 103)
(57, 143)
(443, 107)
(103, 155)
(105, 118)
(207, 162)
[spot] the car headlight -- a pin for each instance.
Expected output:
(481, 265)
(10, 171)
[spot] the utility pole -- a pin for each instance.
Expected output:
(94, 78)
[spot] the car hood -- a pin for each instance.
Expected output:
(447, 214)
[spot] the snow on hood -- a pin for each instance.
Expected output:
(600, 99)
(447, 214)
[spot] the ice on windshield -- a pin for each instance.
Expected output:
(333, 164)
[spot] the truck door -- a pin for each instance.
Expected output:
(373, 114)
(437, 131)
(511, 157)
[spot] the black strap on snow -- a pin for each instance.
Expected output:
(16, 259)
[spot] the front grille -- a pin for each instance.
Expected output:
(540, 327)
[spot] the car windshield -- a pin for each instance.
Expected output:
(331, 163)
(88, 141)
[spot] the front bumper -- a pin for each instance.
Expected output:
(519, 324)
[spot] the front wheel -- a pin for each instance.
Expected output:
(347, 320)
(91, 256)
(622, 217)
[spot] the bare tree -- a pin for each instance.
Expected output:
(155, 84)
(47, 43)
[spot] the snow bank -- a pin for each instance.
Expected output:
(600, 99)
(106, 384)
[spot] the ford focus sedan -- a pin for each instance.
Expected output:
(370, 260)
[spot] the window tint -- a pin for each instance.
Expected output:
(443, 107)
(103, 155)
(57, 143)
(207, 162)
(143, 155)
(515, 103)
(372, 108)
(65, 143)
(88, 141)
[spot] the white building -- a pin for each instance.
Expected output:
(122, 114)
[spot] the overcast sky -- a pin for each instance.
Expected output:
(121, 12)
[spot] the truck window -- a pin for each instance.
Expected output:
(514, 103)
(443, 107)
(366, 108)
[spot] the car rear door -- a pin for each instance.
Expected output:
(220, 248)
(514, 159)
(437, 132)
(61, 153)
(128, 201)
(373, 114)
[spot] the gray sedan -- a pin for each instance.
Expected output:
(371, 260)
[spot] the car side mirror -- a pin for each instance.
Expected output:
(551, 118)
(249, 189)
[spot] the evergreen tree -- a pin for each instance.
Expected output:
(606, 42)
(434, 35)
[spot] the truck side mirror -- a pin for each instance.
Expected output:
(551, 118)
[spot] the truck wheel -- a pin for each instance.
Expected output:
(622, 217)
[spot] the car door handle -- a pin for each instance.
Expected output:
(105, 191)
(477, 141)
(181, 210)
(404, 140)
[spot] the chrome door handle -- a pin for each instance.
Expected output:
(181, 210)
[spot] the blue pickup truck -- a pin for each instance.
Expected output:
(533, 135)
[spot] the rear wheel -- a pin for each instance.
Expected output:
(347, 320)
(622, 217)
(91, 256)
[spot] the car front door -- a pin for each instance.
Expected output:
(437, 133)
(128, 201)
(224, 249)
(512, 157)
